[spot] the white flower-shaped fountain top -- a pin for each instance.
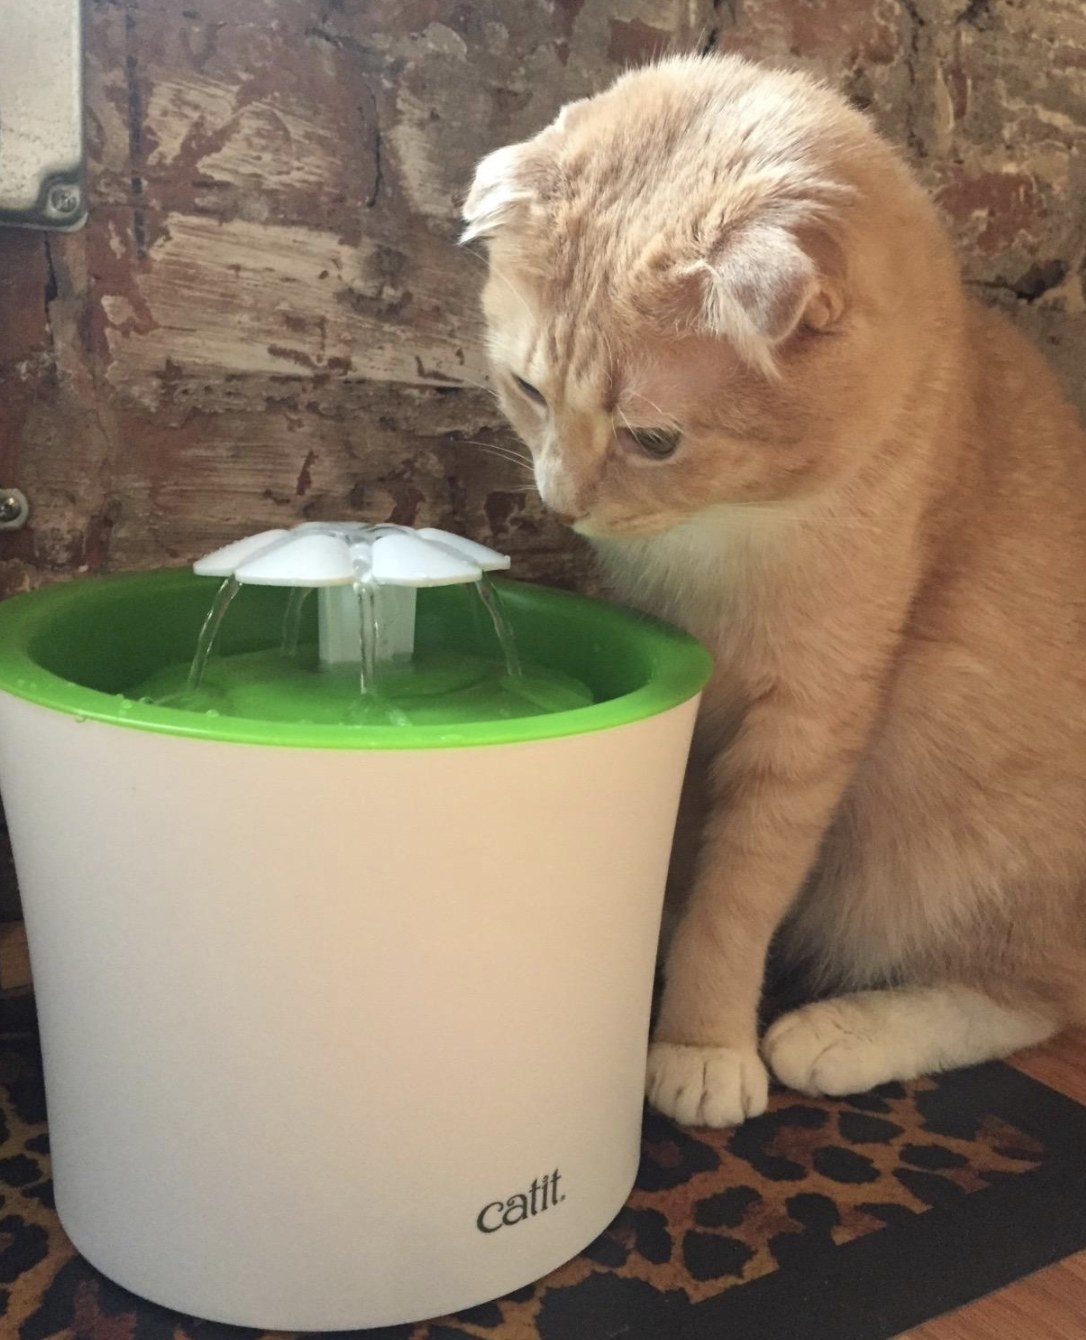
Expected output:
(332, 553)
(348, 560)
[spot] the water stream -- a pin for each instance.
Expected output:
(379, 684)
(488, 594)
(224, 598)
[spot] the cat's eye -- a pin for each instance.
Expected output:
(659, 443)
(532, 392)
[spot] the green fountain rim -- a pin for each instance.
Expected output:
(679, 668)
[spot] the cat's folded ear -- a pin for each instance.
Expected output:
(757, 287)
(510, 180)
(502, 192)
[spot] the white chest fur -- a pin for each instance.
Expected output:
(707, 575)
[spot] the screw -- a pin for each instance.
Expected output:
(14, 509)
(64, 200)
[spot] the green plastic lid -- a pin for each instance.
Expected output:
(80, 647)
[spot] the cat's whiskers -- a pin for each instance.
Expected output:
(467, 383)
(520, 456)
(504, 456)
(507, 454)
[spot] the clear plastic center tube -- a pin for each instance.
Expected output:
(292, 619)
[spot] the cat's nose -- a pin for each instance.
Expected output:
(559, 491)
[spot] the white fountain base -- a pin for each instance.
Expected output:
(339, 1038)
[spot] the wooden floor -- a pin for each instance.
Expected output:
(1050, 1305)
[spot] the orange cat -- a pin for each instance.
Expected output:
(729, 325)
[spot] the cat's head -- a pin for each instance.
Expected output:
(707, 286)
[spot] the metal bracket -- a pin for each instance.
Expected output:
(41, 115)
(14, 509)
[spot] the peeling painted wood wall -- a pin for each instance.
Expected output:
(267, 318)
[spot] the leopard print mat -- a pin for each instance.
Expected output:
(854, 1219)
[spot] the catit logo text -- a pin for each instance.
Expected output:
(542, 1195)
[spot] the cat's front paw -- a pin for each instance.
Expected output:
(831, 1047)
(706, 1086)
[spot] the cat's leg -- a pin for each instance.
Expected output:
(685, 847)
(777, 786)
(806, 693)
(851, 1043)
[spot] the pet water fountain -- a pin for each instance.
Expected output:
(343, 931)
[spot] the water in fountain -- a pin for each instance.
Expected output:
(433, 687)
